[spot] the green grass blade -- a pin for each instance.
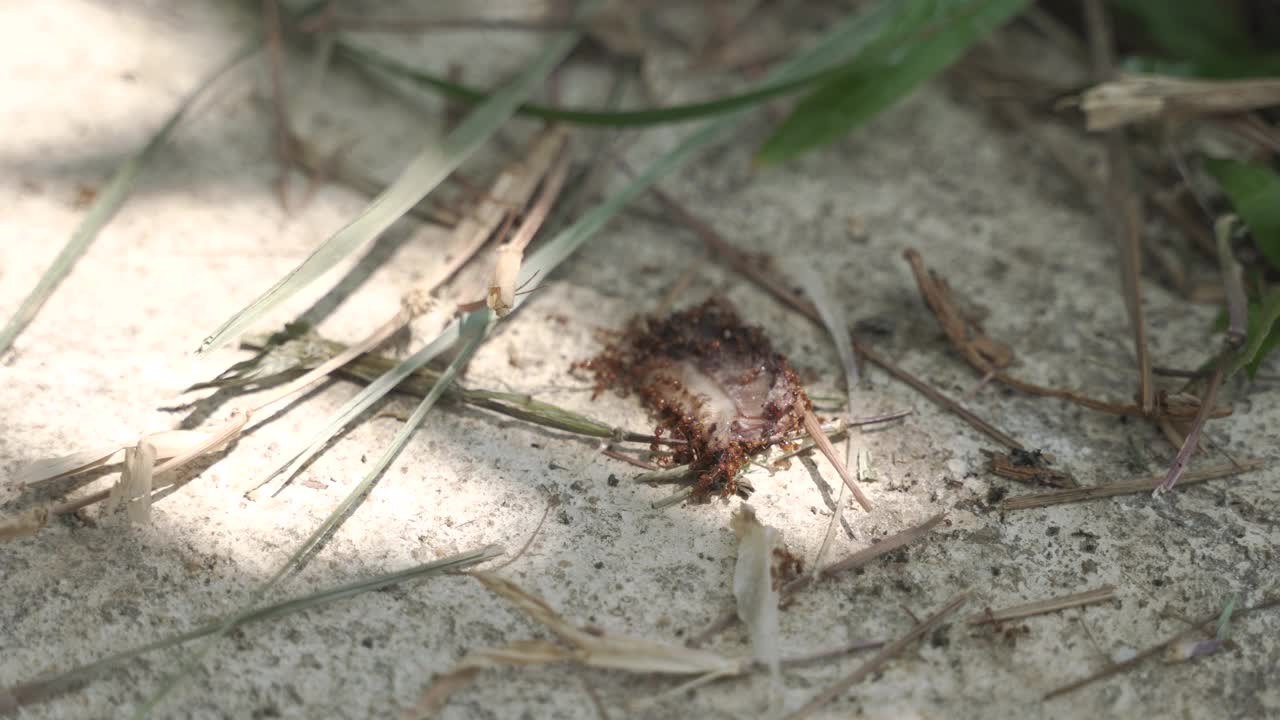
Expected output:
(108, 201)
(1263, 335)
(432, 165)
(1254, 191)
(366, 398)
(43, 689)
(574, 116)
(473, 331)
(924, 38)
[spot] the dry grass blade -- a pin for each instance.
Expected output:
(502, 290)
(510, 192)
(176, 446)
(1131, 99)
(1192, 441)
(1126, 487)
(167, 444)
(111, 197)
(1041, 607)
(1121, 203)
(613, 652)
(881, 658)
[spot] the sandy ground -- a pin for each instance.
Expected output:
(86, 82)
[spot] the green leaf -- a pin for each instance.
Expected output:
(432, 165)
(1254, 191)
(109, 200)
(1207, 39)
(924, 38)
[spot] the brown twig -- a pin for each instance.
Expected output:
(1040, 607)
(740, 262)
(1126, 487)
(820, 440)
(881, 658)
(1122, 204)
(1117, 668)
(988, 356)
(1192, 439)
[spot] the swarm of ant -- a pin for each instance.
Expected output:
(716, 386)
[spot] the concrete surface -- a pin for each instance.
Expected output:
(86, 82)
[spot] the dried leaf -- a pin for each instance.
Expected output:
(618, 652)
(756, 588)
(611, 652)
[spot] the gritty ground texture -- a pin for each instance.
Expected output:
(86, 83)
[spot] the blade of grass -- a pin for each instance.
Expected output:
(421, 176)
(1263, 335)
(601, 118)
(108, 201)
(472, 333)
(1254, 191)
(917, 46)
(365, 399)
(42, 689)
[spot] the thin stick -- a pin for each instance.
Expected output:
(820, 440)
(1192, 440)
(1117, 668)
(866, 555)
(881, 658)
(279, 103)
(1126, 487)
(1040, 607)
(1122, 203)
(750, 269)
